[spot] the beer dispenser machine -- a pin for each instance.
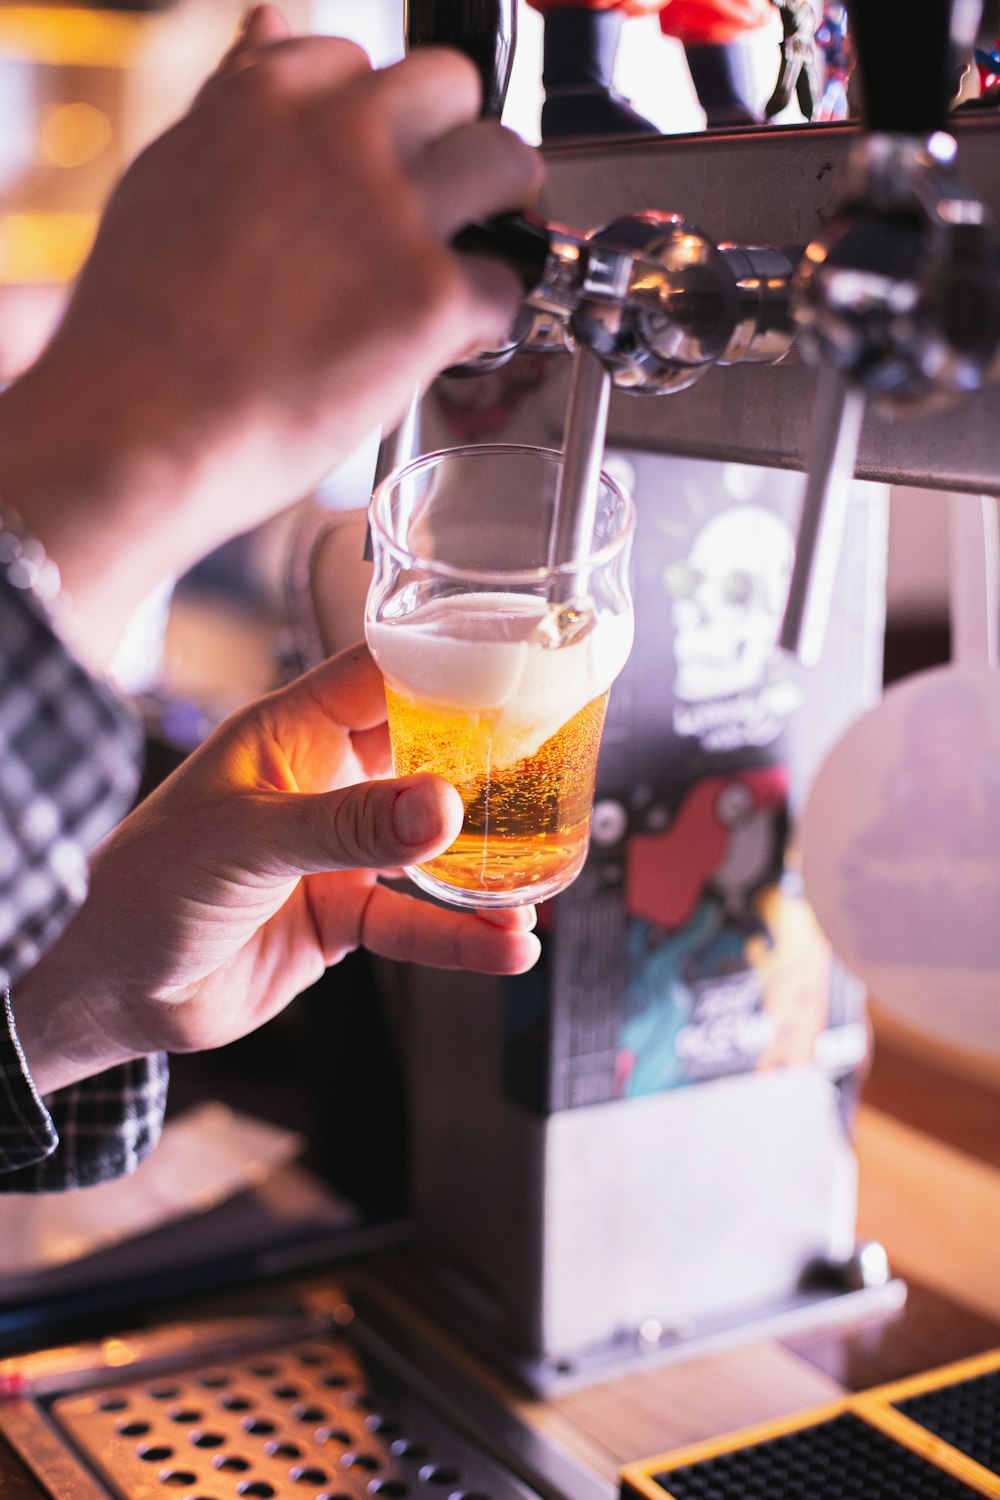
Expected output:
(644, 1147)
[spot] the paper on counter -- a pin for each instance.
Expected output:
(204, 1156)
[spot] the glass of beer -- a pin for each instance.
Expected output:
(497, 662)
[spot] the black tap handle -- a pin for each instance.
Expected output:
(522, 243)
(485, 30)
(908, 59)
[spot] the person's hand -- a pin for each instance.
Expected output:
(272, 279)
(244, 875)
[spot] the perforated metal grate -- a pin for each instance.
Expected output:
(840, 1459)
(317, 1420)
(965, 1414)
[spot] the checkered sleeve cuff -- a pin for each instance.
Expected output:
(90, 1132)
(69, 759)
(70, 751)
(27, 1134)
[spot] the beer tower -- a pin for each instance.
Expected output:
(645, 1147)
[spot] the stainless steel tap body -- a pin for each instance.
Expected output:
(901, 293)
(657, 301)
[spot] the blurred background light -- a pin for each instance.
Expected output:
(73, 134)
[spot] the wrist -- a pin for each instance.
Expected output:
(84, 474)
(65, 1035)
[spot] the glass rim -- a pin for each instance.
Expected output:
(593, 560)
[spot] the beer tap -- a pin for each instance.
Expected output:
(647, 303)
(652, 296)
(898, 301)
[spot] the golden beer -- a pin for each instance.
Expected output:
(488, 692)
(498, 655)
(526, 822)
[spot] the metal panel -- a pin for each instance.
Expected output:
(771, 187)
(322, 1416)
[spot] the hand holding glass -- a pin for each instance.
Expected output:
(498, 664)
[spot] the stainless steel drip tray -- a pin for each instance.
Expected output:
(316, 1417)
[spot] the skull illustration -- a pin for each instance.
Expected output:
(727, 601)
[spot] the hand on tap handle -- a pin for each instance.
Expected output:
(485, 31)
(653, 297)
(523, 243)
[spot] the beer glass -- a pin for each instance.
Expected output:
(497, 663)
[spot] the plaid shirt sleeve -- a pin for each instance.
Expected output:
(69, 756)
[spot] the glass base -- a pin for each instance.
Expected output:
(460, 895)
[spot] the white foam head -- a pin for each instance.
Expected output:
(494, 654)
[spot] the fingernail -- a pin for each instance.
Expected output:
(416, 817)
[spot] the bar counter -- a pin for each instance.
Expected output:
(929, 1155)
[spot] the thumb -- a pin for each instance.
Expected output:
(374, 825)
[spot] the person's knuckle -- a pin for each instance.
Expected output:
(349, 54)
(508, 151)
(355, 823)
(457, 955)
(452, 946)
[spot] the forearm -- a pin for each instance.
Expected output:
(261, 294)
